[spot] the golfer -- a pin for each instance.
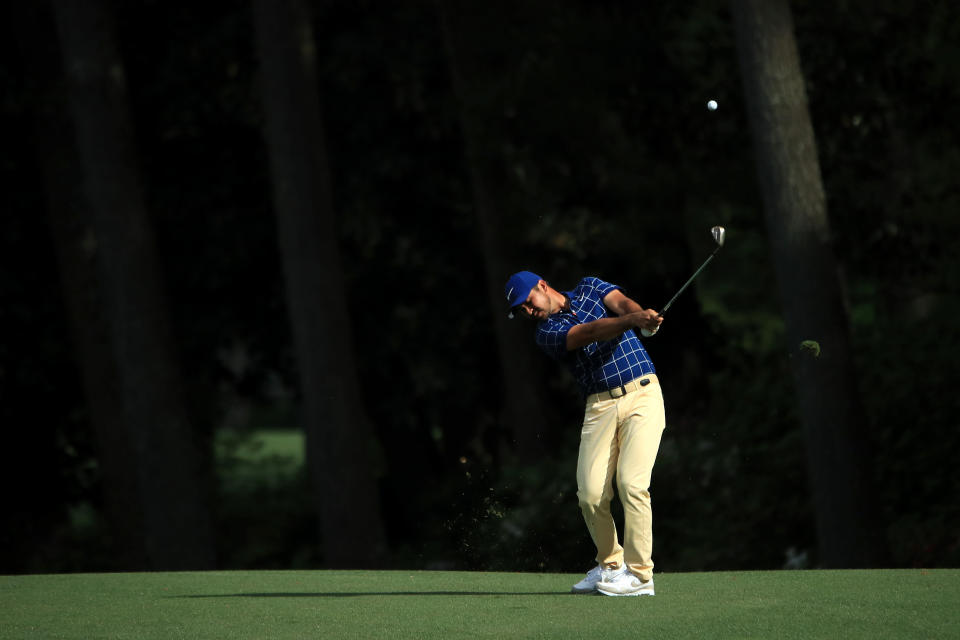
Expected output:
(591, 331)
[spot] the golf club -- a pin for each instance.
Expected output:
(718, 234)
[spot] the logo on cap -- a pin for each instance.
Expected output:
(518, 288)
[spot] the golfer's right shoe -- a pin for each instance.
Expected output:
(624, 583)
(593, 577)
(589, 582)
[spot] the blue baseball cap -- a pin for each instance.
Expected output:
(518, 288)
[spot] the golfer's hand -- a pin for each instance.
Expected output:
(648, 322)
(647, 319)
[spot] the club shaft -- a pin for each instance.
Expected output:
(687, 284)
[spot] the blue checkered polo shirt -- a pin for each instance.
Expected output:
(598, 366)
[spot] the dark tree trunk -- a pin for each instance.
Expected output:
(810, 290)
(522, 414)
(69, 221)
(177, 525)
(339, 436)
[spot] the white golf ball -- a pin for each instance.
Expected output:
(712, 105)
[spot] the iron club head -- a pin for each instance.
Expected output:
(718, 233)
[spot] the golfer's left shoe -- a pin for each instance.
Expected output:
(625, 584)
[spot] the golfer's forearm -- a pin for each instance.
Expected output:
(597, 331)
(620, 304)
(629, 306)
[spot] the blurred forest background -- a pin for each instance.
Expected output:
(251, 257)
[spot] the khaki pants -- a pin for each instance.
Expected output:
(621, 436)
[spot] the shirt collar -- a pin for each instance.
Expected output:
(568, 304)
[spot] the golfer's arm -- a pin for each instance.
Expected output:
(621, 304)
(597, 331)
(629, 315)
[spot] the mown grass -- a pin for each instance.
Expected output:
(442, 605)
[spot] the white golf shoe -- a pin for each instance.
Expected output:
(624, 583)
(593, 577)
(589, 582)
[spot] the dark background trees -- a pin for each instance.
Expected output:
(585, 127)
(839, 455)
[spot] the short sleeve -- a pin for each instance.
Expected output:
(600, 286)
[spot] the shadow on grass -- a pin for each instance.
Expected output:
(363, 594)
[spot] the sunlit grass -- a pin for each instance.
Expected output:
(443, 605)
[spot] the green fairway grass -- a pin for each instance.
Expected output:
(414, 604)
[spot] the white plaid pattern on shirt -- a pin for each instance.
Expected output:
(598, 366)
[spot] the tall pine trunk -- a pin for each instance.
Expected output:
(72, 235)
(68, 219)
(340, 439)
(523, 428)
(817, 326)
(178, 532)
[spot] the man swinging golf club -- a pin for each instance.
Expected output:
(590, 329)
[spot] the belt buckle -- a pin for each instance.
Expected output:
(617, 392)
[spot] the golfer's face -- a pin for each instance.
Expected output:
(536, 306)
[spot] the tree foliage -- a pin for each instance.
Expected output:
(604, 161)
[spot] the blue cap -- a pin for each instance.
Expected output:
(518, 288)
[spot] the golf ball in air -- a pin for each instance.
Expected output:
(712, 105)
